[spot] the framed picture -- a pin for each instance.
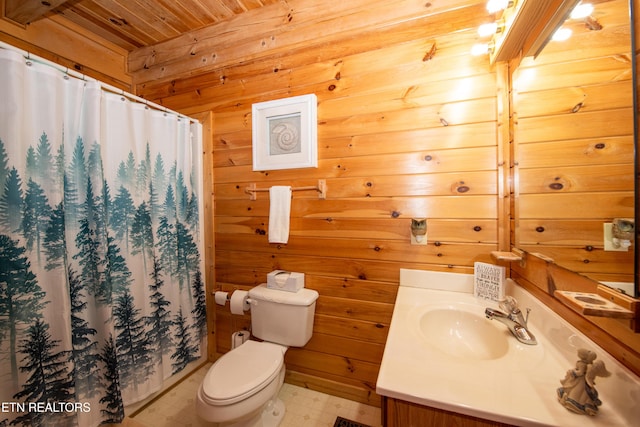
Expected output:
(285, 133)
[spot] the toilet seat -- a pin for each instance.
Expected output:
(242, 372)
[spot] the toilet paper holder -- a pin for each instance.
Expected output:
(225, 295)
(239, 302)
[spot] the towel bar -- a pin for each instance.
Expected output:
(321, 188)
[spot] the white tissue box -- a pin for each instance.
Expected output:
(285, 280)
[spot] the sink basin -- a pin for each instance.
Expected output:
(463, 334)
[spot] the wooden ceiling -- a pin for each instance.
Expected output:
(132, 24)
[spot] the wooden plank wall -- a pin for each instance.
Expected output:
(407, 128)
(574, 146)
(65, 43)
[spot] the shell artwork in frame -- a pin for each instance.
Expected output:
(284, 133)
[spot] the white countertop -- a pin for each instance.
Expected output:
(518, 388)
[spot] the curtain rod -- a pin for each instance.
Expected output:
(105, 86)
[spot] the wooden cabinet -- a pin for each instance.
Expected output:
(398, 413)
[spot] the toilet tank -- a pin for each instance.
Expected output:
(282, 317)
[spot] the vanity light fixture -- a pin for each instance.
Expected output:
(494, 28)
(524, 27)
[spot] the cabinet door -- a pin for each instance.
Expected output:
(398, 413)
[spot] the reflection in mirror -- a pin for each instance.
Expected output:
(573, 172)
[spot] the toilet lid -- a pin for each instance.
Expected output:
(242, 372)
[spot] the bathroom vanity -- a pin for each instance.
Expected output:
(399, 413)
(446, 364)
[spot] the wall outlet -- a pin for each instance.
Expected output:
(608, 239)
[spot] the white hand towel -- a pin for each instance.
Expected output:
(279, 212)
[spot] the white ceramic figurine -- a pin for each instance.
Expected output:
(578, 392)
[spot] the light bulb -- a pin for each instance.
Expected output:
(561, 34)
(486, 30)
(480, 49)
(581, 11)
(494, 6)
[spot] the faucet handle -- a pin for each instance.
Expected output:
(509, 304)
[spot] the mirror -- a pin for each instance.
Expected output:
(573, 147)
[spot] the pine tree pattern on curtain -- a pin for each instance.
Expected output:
(101, 290)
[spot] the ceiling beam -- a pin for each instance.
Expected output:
(26, 11)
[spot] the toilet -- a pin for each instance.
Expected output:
(241, 388)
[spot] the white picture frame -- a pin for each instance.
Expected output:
(285, 133)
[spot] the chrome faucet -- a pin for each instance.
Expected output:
(513, 319)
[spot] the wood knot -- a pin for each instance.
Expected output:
(556, 186)
(577, 107)
(430, 53)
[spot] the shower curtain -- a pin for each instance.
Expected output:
(101, 286)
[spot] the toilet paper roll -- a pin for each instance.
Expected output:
(221, 297)
(239, 303)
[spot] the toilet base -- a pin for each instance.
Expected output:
(273, 413)
(271, 416)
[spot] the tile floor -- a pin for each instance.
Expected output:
(305, 407)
